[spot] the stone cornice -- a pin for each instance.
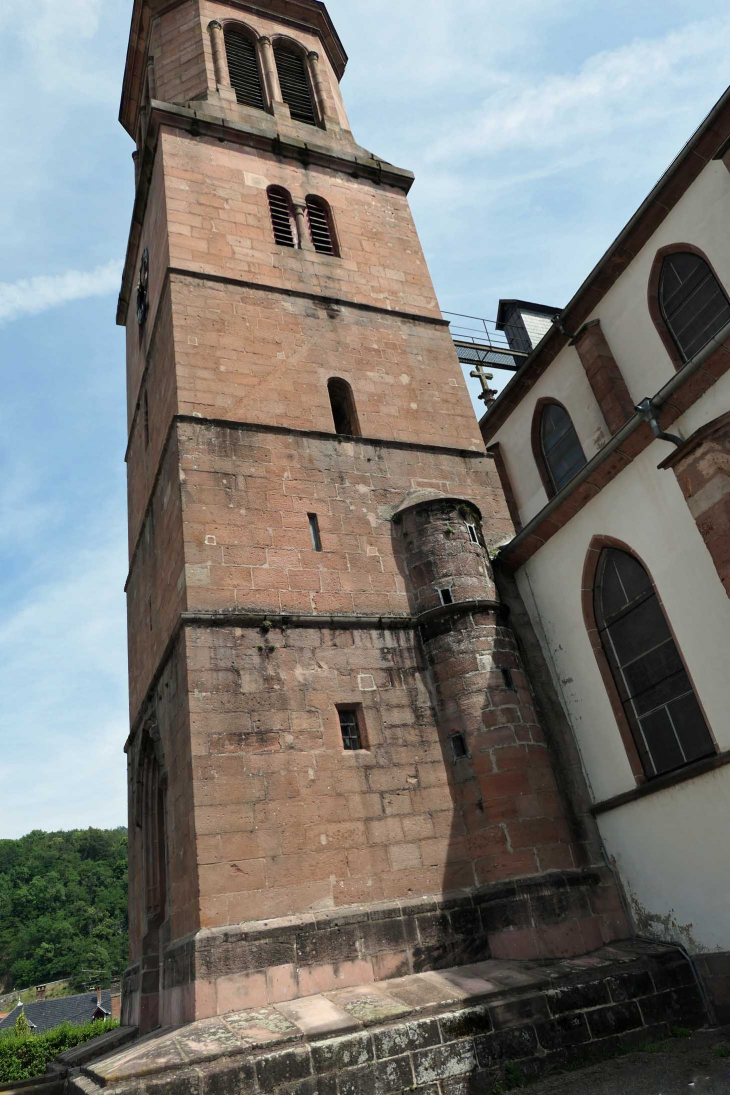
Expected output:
(347, 158)
(278, 621)
(262, 427)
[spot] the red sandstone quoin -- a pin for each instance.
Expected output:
(289, 580)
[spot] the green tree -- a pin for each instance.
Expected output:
(21, 1026)
(63, 905)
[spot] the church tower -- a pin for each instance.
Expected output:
(330, 724)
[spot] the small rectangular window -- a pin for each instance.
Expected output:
(447, 597)
(473, 534)
(458, 746)
(314, 529)
(350, 727)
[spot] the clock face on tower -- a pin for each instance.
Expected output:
(142, 288)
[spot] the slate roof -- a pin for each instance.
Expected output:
(46, 1014)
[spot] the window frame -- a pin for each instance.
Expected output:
(285, 44)
(346, 390)
(326, 209)
(655, 309)
(357, 710)
(627, 731)
(234, 26)
(274, 190)
(537, 446)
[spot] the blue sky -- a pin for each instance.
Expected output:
(535, 131)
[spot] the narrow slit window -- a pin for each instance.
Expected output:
(314, 529)
(350, 727)
(508, 678)
(146, 415)
(296, 90)
(458, 746)
(320, 226)
(447, 597)
(243, 68)
(342, 403)
(661, 707)
(692, 302)
(473, 534)
(282, 217)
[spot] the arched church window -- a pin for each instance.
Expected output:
(283, 220)
(151, 817)
(692, 302)
(342, 402)
(320, 226)
(243, 68)
(296, 89)
(654, 689)
(560, 448)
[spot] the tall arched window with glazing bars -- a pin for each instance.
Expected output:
(654, 689)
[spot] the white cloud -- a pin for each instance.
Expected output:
(62, 677)
(30, 296)
(622, 89)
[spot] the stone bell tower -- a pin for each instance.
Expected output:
(330, 725)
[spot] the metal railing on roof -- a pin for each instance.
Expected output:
(478, 342)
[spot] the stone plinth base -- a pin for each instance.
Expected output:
(714, 972)
(555, 915)
(438, 1033)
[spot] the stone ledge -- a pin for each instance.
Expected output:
(556, 915)
(436, 1033)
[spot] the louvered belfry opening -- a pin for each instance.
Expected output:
(320, 227)
(243, 68)
(282, 217)
(295, 88)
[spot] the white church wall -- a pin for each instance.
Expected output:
(644, 507)
(700, 218)
(673, 856)
(565, 381)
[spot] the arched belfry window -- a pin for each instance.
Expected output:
(296, 90)
(654, 689)
(243, 68)
(283, 220)
(692, 302)
(320, 226)
(342, 402)
(559, 448)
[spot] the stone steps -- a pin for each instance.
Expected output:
(438, 1033)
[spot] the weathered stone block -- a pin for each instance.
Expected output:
(392, 1041)
(567, 1030)
(616, 1019)
(466, 1023)
(439, 1063)
(590, 994)
(506, 1045)
(339, 1053)
(278, 1069)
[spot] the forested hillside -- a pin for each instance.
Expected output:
(63, 906)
